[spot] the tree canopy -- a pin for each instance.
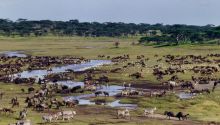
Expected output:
(169, 33)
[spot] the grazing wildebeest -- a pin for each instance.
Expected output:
(106, 93)
(41, 107)
(171, 84)
(71, 103)
(180, 115)
(14, 102)
(137, 75)
(206, 90)
(1, 95)
(133, 93)
(22, 90)
(31, 89)
(56, 103)
(158, 94)
(200, 91)
(187, 85)
(7, 110)
(215, 84)
(98, 93)
(169, 114)
(15, 99)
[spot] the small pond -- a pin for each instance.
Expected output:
(184, 95)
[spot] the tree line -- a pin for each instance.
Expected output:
(171, 33)
(184, 33)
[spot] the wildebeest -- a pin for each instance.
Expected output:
(7, 110)
(15, 103)
(22, 90)
(157, 93)
(106, 93)
(200, 91)
(1, 95)
(187, 84)
(169, 114)
(41, 107)
(31, 89)
(137, 75)
(171, 84)
(98, 93)
(179, 115)
(71, 103)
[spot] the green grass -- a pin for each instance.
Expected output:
(103, 99)
(204, 107)
(88, 119)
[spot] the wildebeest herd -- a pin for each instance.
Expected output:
(42, 99)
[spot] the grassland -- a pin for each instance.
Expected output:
(92, 47)
(203, 108)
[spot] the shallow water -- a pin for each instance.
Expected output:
(83, 99)
(60, 69)
(117, 104)
(184, 95)
(114, 104)
(13, 53)
(112, 90)
(70, 83)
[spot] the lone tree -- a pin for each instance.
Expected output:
(133, 43)
(116, 44)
